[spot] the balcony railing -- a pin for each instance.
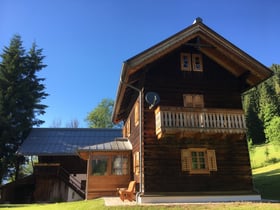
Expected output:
(188, 121)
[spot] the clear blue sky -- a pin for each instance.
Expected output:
(86, 41)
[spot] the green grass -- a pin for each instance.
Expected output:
(98, 204)
(267, 181)
(263, 155)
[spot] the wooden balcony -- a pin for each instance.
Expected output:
(190, 122)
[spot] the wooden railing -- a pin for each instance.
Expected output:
(173, 120)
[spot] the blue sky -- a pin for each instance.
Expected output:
(86, 41)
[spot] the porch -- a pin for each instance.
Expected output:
(188, 122)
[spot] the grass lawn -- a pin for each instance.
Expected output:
(98, 204)
(267, 181)
(263, 155)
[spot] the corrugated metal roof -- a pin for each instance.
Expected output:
(66, 141)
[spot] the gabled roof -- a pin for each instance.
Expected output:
(65, 141)
(239, 63)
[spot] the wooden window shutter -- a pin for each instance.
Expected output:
(124, 131)
(188, 100)
(186, 159)
(198, 101)
(136, 164)
(136, 113)
(128, 127)
(212, 164)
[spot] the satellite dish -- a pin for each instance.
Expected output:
(152, 99)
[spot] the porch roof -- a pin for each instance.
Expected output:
(66, 141)
(119, 144)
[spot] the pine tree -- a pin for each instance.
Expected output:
(255, 126)
(21, 92)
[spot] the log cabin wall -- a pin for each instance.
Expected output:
(162, 158)
(162, 162)
(134, 137)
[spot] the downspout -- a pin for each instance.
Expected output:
(140, 92)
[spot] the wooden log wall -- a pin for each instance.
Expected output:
(162, 164)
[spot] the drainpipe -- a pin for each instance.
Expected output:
(140, 92)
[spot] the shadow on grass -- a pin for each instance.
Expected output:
(267, 183)
(13, 205)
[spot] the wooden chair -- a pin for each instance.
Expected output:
(127, 193)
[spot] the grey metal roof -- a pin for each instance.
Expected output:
(66, 141)
(116, 145)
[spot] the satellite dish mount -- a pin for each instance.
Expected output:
(152, 99)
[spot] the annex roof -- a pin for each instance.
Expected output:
(66, 141)
(118, 144)
(210, 43)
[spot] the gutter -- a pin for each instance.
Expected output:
(140, 92)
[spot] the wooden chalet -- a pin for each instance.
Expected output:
(189, 141)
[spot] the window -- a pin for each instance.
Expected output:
(111, 164)
(191, 62)
(197, 62)
(136, 113)
(120, 165)
(193, 100)
(198, 160)
(99, 165)
(186, 62)
(136, 163)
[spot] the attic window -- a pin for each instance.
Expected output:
(197, 62)
(185, 62)
(191, 62)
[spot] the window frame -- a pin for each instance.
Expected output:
(100, 159)
(121, 170)
(124, 171)
(182, 58)
(209, 161)
(194, 65)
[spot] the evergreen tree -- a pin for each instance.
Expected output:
(254, 124)
(272, 131)
(268, 103)
(21, 92)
